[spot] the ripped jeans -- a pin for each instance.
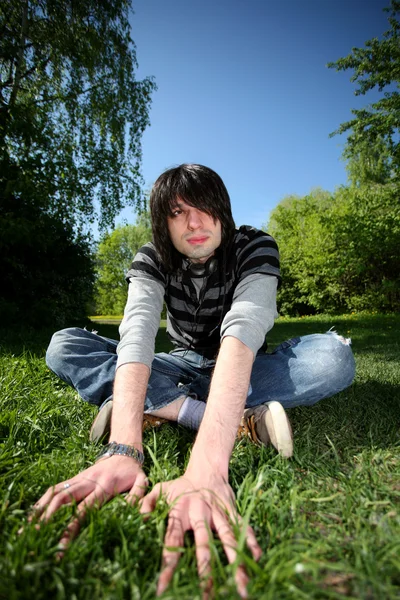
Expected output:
(300, 371)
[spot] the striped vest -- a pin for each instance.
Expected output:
(193, 321)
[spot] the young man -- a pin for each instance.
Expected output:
(219, 284)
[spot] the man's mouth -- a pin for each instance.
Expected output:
(198, 240)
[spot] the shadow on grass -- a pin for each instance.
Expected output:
(18, 341)
(367, 415)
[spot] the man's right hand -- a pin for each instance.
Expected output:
(92, 487)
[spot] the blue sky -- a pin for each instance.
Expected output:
(243, 88)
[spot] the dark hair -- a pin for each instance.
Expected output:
(198, 186)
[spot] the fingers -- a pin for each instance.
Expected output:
(202, 540)
(81, 490)
(222, 523)
(74, 527)
(148, 503)
(41, 504)
(173, 544)
(139, 488)
(68, 535)
(114, 475)
(225, 534)
(252, 544)
(202, 533)
(56, 496)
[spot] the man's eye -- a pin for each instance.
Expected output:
(176, 213)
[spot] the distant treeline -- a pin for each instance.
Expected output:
(339, 252)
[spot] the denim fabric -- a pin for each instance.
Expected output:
(300, 371)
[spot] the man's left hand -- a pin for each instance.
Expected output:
(202, 505)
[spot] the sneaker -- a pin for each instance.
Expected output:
(102, 423)
(152, 421)
(268, 424)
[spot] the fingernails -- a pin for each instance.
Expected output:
(242, 591)
(61, 547)
(160, 589)
(162, 585)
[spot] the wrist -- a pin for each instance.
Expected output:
(207, 468)
(127, 431)
(127, 439)
(114, 448)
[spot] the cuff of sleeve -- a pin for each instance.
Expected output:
(134, 354)
(248, 338)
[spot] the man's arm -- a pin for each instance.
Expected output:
(227, 397)
(116, 474)
(138, 331)
(108, 476)
(202, 499)
(130, 387)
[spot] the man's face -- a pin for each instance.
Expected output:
(193, 233)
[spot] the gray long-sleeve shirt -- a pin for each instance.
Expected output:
(250, 317)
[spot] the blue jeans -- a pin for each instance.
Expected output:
(300, 371)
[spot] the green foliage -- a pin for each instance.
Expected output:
(71, 111)
(113, 258)
(369, 163)
(339, 252)
(377, 65)
(365, 228)
(45, 269)
(296, 225)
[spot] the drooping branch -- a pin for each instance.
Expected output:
(20, 58)
(64, 97)
(71, 112)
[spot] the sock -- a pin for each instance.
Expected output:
(191, 413)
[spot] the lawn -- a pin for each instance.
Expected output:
(327, 520)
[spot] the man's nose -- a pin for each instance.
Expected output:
(194, 219)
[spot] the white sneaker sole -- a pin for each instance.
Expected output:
(282, 429)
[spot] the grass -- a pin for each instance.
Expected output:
(327, 520)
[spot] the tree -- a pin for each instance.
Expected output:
(369, 163)
(71, 119)
(71, 111)
(113, 258)
(378, 125)
(365, 228)
(46, 270)
(339, 252)
(304, 245)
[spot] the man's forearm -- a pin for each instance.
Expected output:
(130, 388)
(226, 401)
